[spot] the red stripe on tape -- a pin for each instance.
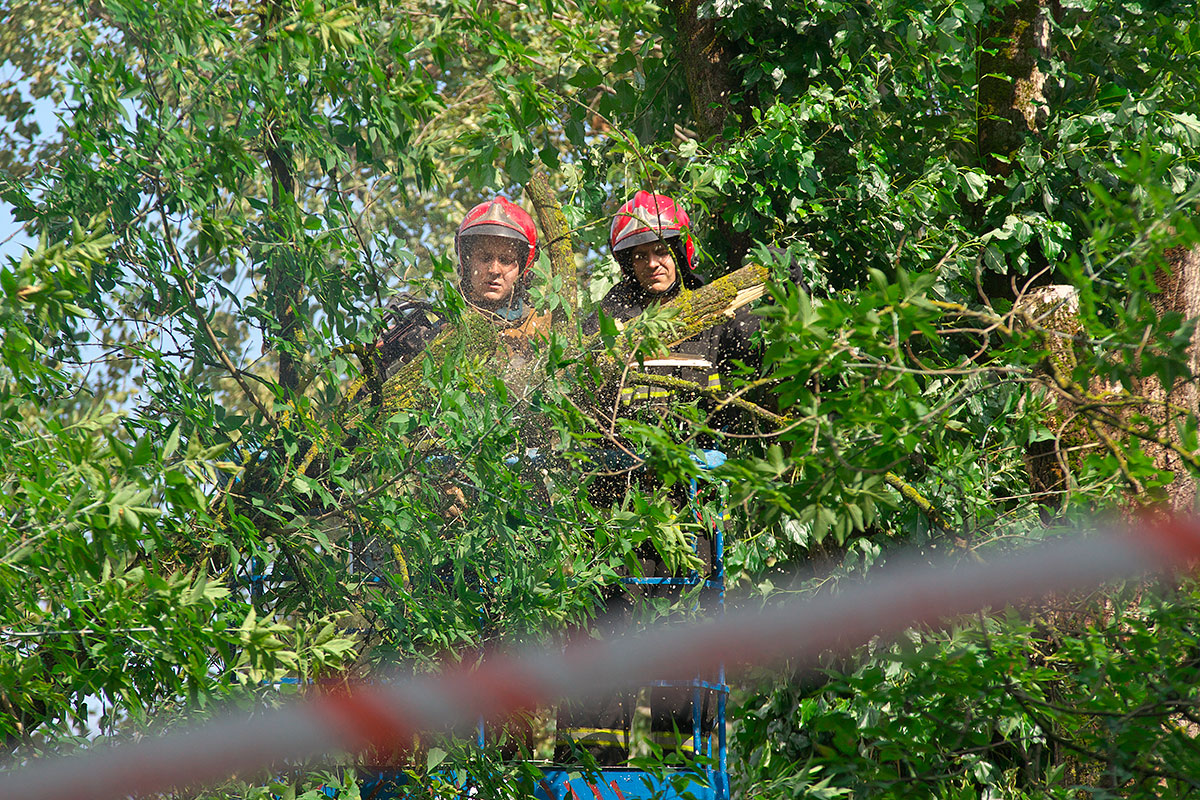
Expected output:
(364, 720)
(1176, 539)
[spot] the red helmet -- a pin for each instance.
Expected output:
(499, 217)
(648, 218)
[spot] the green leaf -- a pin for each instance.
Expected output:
(975, 184)
(172, 443)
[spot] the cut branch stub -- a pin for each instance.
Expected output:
(1054, 311)
(716, 302)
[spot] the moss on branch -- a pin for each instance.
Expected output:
(558, 244)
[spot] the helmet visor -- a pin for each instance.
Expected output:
(494, 229)
(643, 237)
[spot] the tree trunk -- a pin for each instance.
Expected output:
(1054, 309)
(1179, 292)
(282, 281)
(1010, 103)
(283, 285)
(705, 54)
(1152, 408)
(1011, 100)
(558, 243)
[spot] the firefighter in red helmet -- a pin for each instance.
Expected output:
(651, 240)
(495, 245)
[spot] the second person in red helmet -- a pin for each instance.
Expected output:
(651, 240)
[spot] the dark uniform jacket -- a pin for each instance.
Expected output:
(413, 324)
(707, 359)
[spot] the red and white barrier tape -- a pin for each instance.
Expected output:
(386, 715)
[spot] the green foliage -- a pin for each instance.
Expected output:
(186, 519)
(995, 705)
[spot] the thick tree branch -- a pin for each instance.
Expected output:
(558, 242)
(724, 398)
(910, 493)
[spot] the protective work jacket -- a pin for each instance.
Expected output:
(413, 324)
(605, 728)
(706, 359)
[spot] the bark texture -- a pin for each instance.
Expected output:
(1179, 291)
(1011, 99)
(283, 289)
(1054, 310)
(705, 54)
(558, 244)
(1102, 416)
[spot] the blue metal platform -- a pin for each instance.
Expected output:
(625, 783)
(563, 783)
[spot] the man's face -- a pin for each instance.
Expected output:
(493, 264)
(654, 266)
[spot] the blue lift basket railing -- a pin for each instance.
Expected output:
(630, 783)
